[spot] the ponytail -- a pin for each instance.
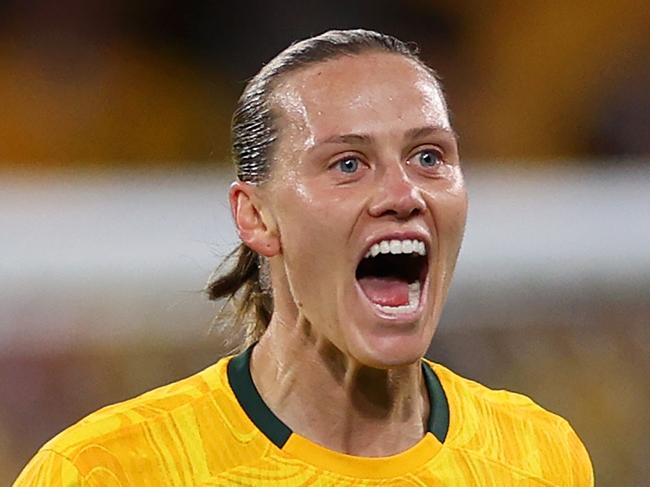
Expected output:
(243, 290)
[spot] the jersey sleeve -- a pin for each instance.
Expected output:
(49, 469)
(582, 470)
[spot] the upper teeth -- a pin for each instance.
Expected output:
(396, 247)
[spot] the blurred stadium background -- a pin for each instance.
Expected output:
(114, 165)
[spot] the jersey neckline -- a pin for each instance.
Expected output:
(248, 397)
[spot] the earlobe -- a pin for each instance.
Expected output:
(255, 229)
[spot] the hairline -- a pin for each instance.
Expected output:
(283, 78)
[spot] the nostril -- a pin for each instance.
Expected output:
(398, 204)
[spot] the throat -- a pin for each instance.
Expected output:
(359, 410)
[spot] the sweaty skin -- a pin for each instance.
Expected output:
(335, 368)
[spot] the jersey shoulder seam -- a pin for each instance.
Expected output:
(521, 404)
(59, 444)
(66, 458)
(508, 466)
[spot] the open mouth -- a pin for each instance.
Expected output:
(392, 275)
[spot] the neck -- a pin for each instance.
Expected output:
(326, 396)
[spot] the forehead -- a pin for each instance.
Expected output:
(370, 93)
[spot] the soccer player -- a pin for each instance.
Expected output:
(351, 207)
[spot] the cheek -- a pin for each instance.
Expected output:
(457, 213)
(450, 214)
(312, 231)
(316, 226)
(314, 215)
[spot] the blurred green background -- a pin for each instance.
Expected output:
(114, 149)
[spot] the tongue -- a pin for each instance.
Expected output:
(386, 291)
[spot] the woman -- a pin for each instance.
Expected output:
(351, 206)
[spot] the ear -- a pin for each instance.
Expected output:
(255, 230)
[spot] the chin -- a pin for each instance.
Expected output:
(389, 351)
(383, 341)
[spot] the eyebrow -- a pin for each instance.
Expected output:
(367, 139)
(347, 139)
(419, 132)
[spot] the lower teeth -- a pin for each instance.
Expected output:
(414, 301)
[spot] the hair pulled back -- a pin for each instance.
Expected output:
(242, 277)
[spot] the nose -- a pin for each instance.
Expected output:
(397, 195)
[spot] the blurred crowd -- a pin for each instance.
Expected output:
(117, 84)
(122, 83)
(586, 369)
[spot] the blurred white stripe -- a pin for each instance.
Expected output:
(558, 222)
(119, 256)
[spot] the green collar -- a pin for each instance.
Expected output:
(241, 382)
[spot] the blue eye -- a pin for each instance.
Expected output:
(429, 158)
(349, 165)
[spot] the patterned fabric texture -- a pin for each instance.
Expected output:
(195, 432)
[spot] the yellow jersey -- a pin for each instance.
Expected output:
(214, 429)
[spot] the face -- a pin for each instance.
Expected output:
(368, 204)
